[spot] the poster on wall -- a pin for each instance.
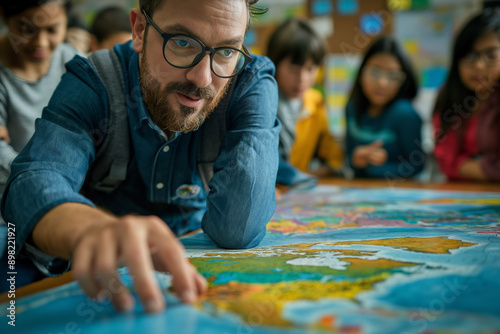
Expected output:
(341, 70)
(427, 37)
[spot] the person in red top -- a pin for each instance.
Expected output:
(467, 112)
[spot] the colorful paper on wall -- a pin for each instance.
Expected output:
(399, 4)
(371, 24)
(347, 7)
(323, 25)
(321, 7)
(341, 70)
(420, 4)
(427, 37)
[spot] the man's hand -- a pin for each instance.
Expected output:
(4, 134)
(139, 242)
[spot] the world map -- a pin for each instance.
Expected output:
(334, 260)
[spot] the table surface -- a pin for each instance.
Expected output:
(446, 186)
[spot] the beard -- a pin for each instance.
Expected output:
(163, 114)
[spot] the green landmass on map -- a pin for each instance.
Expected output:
(258, 283)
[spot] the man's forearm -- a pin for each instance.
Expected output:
(59, 230)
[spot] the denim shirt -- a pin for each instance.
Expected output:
(162, 177)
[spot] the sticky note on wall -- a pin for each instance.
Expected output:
(371, 24)
(399, 4)
(321, 7)
(347, 7)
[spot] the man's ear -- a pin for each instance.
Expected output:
(138, 22)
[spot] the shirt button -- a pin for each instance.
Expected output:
(159, 185)
(166, 149)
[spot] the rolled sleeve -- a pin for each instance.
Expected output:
(25, 211)
(51, 168)
(47, 264)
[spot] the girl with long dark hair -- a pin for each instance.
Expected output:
(466, 117)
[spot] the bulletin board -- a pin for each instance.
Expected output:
(356, 24)
(348, 26)
(424, 28)
(348, 33)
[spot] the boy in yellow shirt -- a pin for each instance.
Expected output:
(298, 52)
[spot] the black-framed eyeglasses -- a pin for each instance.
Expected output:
(394, 77)
(490, 57)
(184, 51)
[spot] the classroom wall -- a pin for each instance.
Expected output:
(425, 28)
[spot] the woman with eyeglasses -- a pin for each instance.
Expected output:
(383, 130)
(467, 117)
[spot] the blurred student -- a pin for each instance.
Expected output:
(77, 34)
(383, 134)
(467, 114)
(298, 52)
(32, 61)
(111, 26)
(31, 65)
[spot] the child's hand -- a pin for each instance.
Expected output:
(378, 157)
(4, 134)
(361, 156)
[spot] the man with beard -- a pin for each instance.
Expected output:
(182, 57)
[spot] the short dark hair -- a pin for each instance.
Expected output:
(453, 92)
(149, 6)
(297, 39)
(12, 8)
(109, 21)
(408, 90)
(74, 21)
